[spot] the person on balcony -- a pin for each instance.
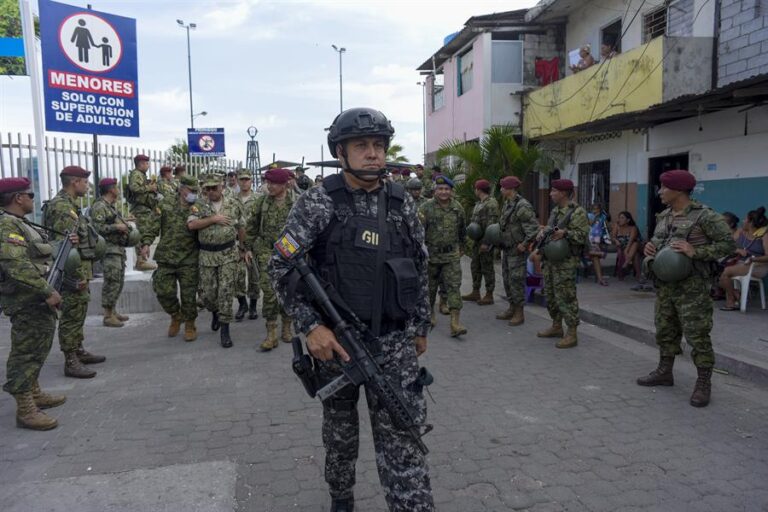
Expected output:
(752, 247)
(585, 59)
(627, 239)
(608, 49)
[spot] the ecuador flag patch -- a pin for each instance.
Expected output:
(287, 246)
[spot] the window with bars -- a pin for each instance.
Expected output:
(655, 24)
(595, 184)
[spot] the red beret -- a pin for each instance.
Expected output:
(405, 172)
(509, 182)
(678, 180)
(484, 185)
(9, 185)
(165, 168)
(562, 185)
(75, 171)
(179, 168)
(278, 175)
(106, 182)
(140, 158)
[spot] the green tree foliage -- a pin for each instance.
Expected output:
(496, 155)
(393, 154)
(10, 26)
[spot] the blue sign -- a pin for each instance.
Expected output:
(206, 141)
(89, 71)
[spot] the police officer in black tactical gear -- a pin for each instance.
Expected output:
(362, 236)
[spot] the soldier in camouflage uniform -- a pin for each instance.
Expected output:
(142, 196)
(445, 234)
(485, 213)
(110, 224)
(166, 185)
(248, 282)
(341, 206)
(266, 220)
(177, 257)
(29, 301)
(684, 307)
(62, 214)
(518, 228)
(414, 186)
(221, 233)
(426, 180)
(570, 222)
(231, 189)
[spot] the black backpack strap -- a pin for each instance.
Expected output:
(396, 194)
(337, 190)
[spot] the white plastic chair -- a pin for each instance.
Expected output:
(742, 283)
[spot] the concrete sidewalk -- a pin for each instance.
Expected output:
(740, 339)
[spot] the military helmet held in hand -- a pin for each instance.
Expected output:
(474, 231)
(492, 234)
(671, 266)
(557, 250)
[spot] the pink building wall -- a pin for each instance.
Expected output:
(461, 117)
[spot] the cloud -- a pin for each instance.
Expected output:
(169, 100)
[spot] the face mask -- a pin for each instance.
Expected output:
(191, 198)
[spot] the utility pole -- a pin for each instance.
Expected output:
(340, 51)
(189, 68)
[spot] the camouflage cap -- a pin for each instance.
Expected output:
(212, 180)
(188, 181)
(244, 173)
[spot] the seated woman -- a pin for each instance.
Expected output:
(627, 239)
(752, 247)
(597, 233)
(586, 60)
(716, 292)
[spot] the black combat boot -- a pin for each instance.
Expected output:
(253, 313)
(342, 505)
(86, 357)
(703, 388)
(661, 376)
(215, 321)
(242, 310)
(226, 341)
(74, 368)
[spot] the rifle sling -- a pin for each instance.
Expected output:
(378, 288)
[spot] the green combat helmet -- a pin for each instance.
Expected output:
(492, 234)
(474, 231)
(557, 250)
(670, 266)
(101, 247)
(73, 261)
(133, 238)
(414, 184)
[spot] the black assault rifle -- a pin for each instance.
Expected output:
(362, 368)
(56, 275)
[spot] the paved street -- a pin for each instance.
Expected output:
(519, 425)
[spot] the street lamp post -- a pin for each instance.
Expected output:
(189, 67)
(424, 117)
(341, 94)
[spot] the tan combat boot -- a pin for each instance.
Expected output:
(110, 320)
(122, 318)
(44, 400)
(29, 416)
(456, 328)
(474, 296)
(555, 331)
(190, 330)
(487, 299)
(286, 333)
(506, 314)
(569, 340)
(518, 318)
(175, 327)
(73, 367)
(271, 341)
(444, 310)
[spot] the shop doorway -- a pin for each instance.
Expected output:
(656, 166)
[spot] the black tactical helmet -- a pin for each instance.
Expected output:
(358, 122)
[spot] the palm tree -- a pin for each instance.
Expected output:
(495, 155)
(393, 154)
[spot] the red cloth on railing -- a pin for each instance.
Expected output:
(547, 71)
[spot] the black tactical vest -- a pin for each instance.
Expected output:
(346, 255)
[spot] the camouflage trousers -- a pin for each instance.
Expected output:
(74, 308)
(482, 268)
(32, 331)
(171, 282)
(513, 271)
(560, 291)
(219, 285)
(248, 280)
(446, 276)
(147, 224)
(685, 309)
(114, 278)
(269, 306)
(403, 470)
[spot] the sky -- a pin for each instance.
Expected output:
(270, 64)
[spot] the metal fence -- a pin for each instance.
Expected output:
(19, 154)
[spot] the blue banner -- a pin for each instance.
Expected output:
(206, 141)
(89, 71)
